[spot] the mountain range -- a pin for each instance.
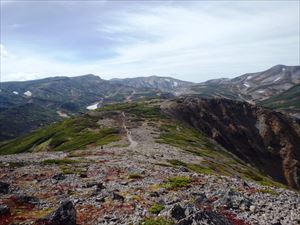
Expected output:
(151, 150)
(28, 105)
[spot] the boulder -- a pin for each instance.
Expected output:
(154, 194)
(204, 217)
(4, 187)
(177, 212)
(200, 200)
(117, 197)
(190, 209)
(64, 215)
(4, 210)
(59, 176)
(233, 200)
(183, 169)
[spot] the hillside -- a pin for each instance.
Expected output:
(245, 132)
(265, 84)
(51, 99)
(267, 140)
(135, 163)
(165, 84)
(287, 101)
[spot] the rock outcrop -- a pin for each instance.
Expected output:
(65, 214)
(268, 140)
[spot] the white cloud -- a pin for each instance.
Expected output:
(192, 41)
(3, 51)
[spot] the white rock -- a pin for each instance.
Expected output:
(252, 208)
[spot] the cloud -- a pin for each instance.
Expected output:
(193, 41)
(3, 51)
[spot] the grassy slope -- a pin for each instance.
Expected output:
(288, 100)
(71, 134)
(77, 132)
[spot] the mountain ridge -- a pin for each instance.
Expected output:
(67, 96)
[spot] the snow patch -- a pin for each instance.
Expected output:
(62, 114)
(249, 77)
(15, 92)
(93, 107)
(277, 79)
(28, 93)
(175, 84)
(247, 85)
(261, 91)
(168, 80)
(283, 69)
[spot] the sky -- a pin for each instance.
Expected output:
(188, 40)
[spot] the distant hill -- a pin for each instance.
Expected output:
(24, 106)
(165, 84)
(27, 105)
(252, 87)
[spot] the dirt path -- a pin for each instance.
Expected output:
(133, 143)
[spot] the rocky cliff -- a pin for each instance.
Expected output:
(268, 140)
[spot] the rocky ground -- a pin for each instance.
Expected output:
(121, 184)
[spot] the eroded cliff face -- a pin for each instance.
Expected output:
(263, 138)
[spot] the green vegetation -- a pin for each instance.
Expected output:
(214, 161)
(200, 169)
(156, 208)
(135, 176)
(71, 134)
(137, 109)
(214, 90)
(79, 132)
(260, 179)
(17, 164)
(194, 167)
(177, 182)
(59, 161)
(268, 191)
(176, 162)
(67, 166)
(181, 136)
(156, 221)
(288, 100)
(191, 140)
(72, 169)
